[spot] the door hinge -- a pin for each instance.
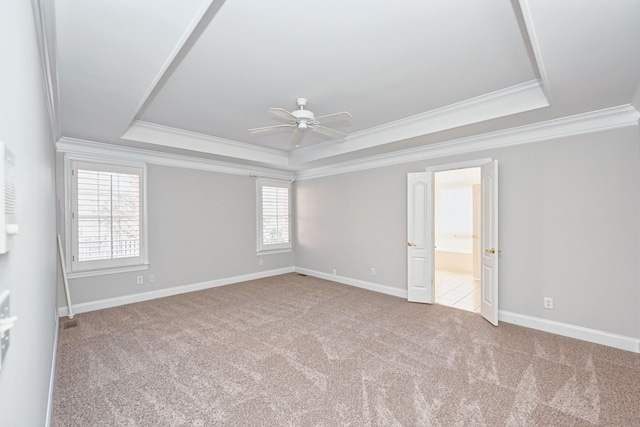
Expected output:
(73, 258)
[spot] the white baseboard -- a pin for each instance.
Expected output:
(578, 332)
(383, 289)
(558, 328)
(161, 293)
(52, 378)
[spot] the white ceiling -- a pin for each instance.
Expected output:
(191, 76)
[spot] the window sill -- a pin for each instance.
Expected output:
(91, 273)
(273, 251)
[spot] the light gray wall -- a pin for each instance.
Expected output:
(29, 270)
(635, 101)
(568, 219)
(202, 227)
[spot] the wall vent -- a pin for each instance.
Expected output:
(8, 221)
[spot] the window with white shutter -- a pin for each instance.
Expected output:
(107, 216)
(274, 215)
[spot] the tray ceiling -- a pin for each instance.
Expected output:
(192, 76)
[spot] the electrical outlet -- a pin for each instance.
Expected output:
(152, 277)
(548, 303)
(140, 280)
(261, 262)
(335, 271)
(373, 271)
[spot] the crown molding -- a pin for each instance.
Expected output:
(108, 151)
(178, 138)
(504, 102)
(45, 29)
(515, 99)
(595, 121)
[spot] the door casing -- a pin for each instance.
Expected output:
(430, 252)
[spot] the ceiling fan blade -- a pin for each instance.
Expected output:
(334, 116)
(267, 128)
(329, 132)
(281, 112)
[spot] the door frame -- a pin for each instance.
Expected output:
(453, 166)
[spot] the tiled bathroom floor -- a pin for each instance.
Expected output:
(457, 290)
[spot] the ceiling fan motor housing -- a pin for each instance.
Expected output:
(304, 118)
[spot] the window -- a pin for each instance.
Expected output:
(274, 212)
(107, 216)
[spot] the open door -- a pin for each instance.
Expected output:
(420, 250)
(489, 244)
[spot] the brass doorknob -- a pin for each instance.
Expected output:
(492, 251)
(411, 244)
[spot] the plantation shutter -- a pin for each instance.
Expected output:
(274, 202)
(107, 216)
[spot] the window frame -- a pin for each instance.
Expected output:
(76, 268)
(263, 248)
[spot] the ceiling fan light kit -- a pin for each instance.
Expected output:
(301, 120)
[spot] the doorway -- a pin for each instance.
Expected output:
(421, 235)
(457, 238)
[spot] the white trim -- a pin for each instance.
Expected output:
(558, 328)
(595, 121)
(519, 98)
(563, 329)
(504, 102)
(383, 289)
(92, 273)
(179, 138)
(274, 251)
(535, 46)
(74, 267)
(52, 377)
(45, 29)
(162, 293)
(459, 165)
(578, 332)
(79, 147)
(261, 247)
(201, 20)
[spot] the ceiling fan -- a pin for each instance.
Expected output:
(302, 120)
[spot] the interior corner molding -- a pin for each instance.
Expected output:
(107, 151)
(590, 122)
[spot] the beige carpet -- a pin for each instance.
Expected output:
(299, 351)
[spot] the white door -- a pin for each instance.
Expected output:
(420, 237)
(489, 251)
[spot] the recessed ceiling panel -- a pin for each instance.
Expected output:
(382, 61)
(109, 54)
